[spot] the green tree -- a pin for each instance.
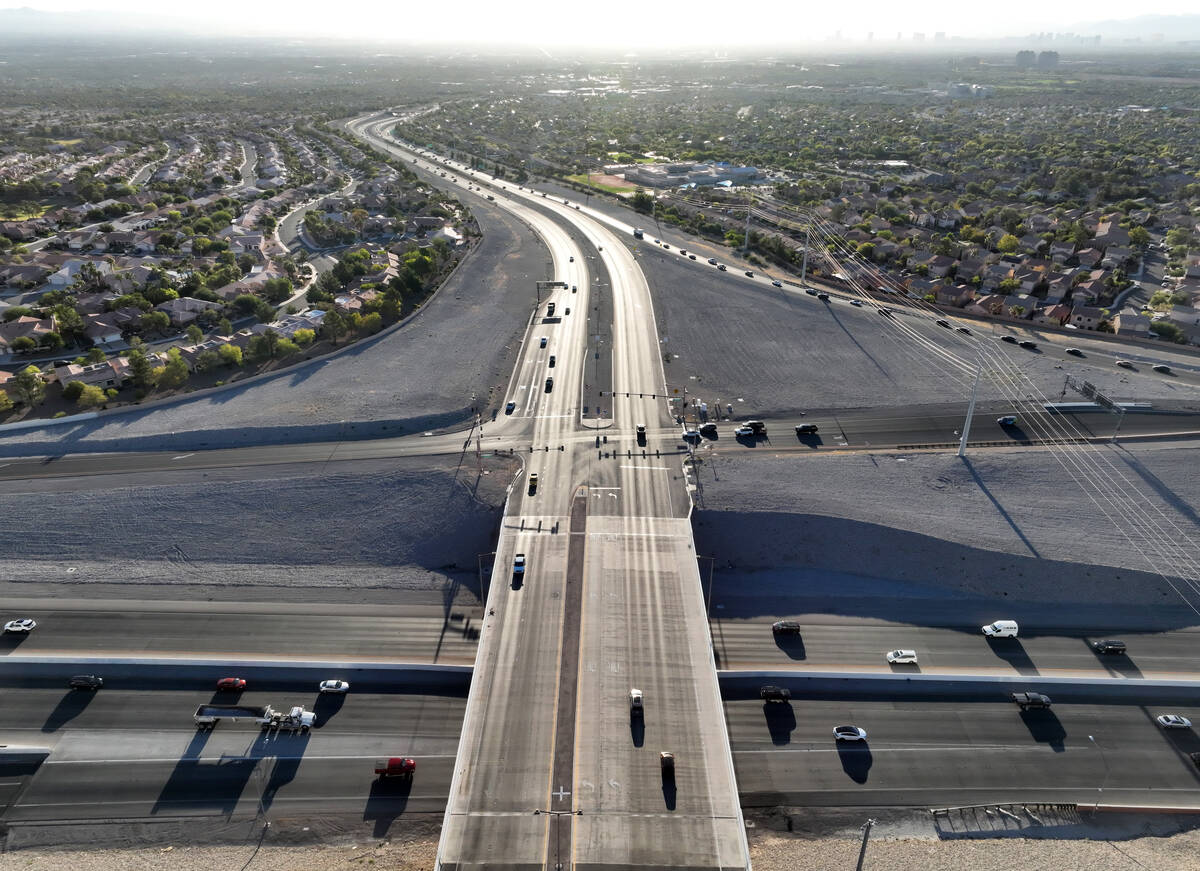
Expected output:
(333, 325)
(141, 370)
(72, 389)
(231, 355)
(195, 334)
(1139, 237)
(371, 324)
(224, 327)
(51, 341)
(91, 396)
(6, 402)
(158, 322)
(29, 386)
(1008, 243)
(276, 290)
(175, 371)
(22, 344)
(96, 355)
(1168, 331)
(304, 338)
(207, 360)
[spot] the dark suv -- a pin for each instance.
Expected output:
(85, 682)
(785, 627)
(774, 694)
(1109, 646)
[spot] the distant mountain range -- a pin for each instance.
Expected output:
(35, 22)
(1171, 28)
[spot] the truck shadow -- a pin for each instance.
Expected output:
(208, 784)
(283, 768)
(387, 800)
(637, 730)
(1012, 651)
(1045, 728)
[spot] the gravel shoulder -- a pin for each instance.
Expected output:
(455, 354)
(398, 530)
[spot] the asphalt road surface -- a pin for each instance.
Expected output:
(243, 630)
(637, 532)
(128, 753)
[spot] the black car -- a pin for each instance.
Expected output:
(785, 627)
(942, 323)
(810, 291)
(1031, 700)
(806, 429)
(774, 694)
(1028, 345)
(823, 297)
(1012, 340)
(85, 682)
(1109, 645)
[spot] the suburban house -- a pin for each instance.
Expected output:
(1087, 317)
(110, 373)
(186, 309)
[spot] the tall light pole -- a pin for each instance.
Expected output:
(1103, 783)
(966, 430)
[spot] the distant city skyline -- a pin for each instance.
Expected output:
(542, 22)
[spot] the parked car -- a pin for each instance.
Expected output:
(1110, 645)
(340, 687)
(849, 733)
(1173, 721)
(774, 694)
(20, 626)
(902, 657)
(231, 684)
(785, 627)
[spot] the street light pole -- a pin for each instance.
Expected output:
(966, 430)
(1103, 783)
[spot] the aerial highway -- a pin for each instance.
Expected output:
(609, 576)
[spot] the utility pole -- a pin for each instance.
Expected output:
(862, 853)
(966, 430)
(746, 241)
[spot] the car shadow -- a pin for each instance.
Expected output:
(70, 706)
(1045, 728)
(792, 645)
(905, 667)
(856, 759)
(811, 439)
(226, 697)
(386, 801)
(637, 730)
(1012, 651)
(670, 793)
(326, 707)
(781, 722)
(1117, 663)
(517, 582)
(10, 641)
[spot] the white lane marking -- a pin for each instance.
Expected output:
(183, 456)
(651, 468)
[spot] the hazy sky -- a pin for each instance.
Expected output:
(661, 24)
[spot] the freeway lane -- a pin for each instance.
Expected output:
(828, 643)
(243, 630)
(694, 821)
(959, 752)
(135, 752)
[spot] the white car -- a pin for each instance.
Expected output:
(22, 625)
(335, 686)
(902, 656)
(776, 284)
(849, 733)
(1173, 721)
